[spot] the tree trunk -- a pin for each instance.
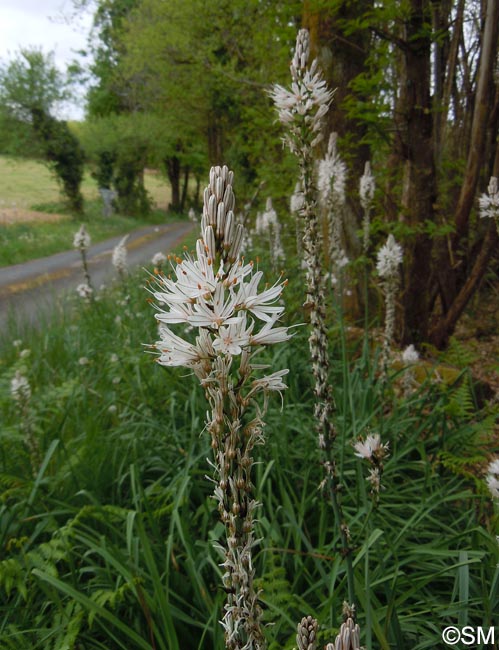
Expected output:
(172, 165)
(440, 333)
(185, 186)
(480, 122)
(414, 143)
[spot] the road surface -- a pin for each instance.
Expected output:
(26, 290)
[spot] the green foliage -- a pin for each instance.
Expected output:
(111, 545)
(64, 153)
(30, 89)
(31, 79)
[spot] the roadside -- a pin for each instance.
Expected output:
(29, 289)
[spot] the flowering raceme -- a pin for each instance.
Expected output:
(218, 294)
(302, 107)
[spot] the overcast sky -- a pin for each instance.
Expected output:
(52, 25)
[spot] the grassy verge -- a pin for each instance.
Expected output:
(21, 242)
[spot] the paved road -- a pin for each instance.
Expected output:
(26, 290)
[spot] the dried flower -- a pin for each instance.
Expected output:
(81, 238)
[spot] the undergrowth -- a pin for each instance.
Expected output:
(110, 544)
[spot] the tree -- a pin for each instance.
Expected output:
(31, 89)
(431, 119)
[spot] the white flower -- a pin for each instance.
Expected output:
(120, 255)
(17, 343)
(114, 358)
(112, 409)
(493, 485)
(84, 291)
(192, 215)
(489, 203)
(410, 354)
(390, 255)
(493, 467)
(214, 291)
(24, 354)
(371, 447)
(158, 260)
(332, 174)
(81, 239)
(297, 201)
(367, 187)
(83, 361)
(306, 102)
(20, 388)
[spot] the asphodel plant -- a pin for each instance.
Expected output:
(219, 295)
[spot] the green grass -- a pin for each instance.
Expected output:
(28, 185)
(109, 544)
(25, 183)
(26, 241)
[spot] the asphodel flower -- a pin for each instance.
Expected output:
(367, 187)
(493, 478)
(120, 256)
(331, 181)
(389, 258)
(220, 295)
(267, 224)
(81, 238)
(81, 242)
(302, 107)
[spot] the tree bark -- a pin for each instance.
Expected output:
(172, 165)
(185, 187)
(415, 146)
(480, 122)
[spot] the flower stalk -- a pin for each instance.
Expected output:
(82, 243)
(20, 391)
(390, 256)
(218, 294)
(301, 110)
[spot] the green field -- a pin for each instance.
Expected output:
(28, 185)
